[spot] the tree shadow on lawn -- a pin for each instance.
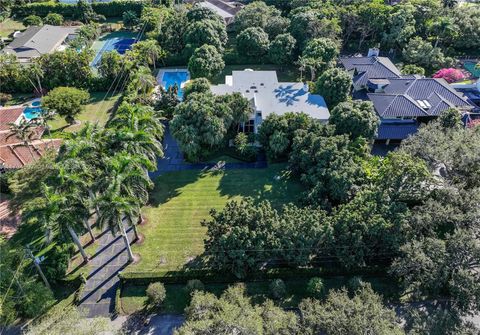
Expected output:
(275, 184)
(169, 185)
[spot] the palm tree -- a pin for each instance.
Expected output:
(138, 117)
(74, 178)
(115, 211)
(128, 176)
(35, 70)
(56, 211)
(23, 130)
(302, 65)
(86, 146)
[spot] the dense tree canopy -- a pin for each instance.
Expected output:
(253, 42)
(355, 118)
(205, 62)
(334, 85)
(66, 101)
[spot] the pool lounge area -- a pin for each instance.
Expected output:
(170, 77)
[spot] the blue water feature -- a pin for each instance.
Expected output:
(170, 78)
(32, 112)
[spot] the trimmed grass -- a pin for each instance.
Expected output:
(181, 200)
(133, 298)
(9, 26)
(285, 74)
(97, 110)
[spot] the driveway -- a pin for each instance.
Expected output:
(174, 160)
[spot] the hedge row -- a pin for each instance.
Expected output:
(108, 9)
(208, 276)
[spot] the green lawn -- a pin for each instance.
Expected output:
(97, 110)
(9, 26)
(285, 74)
(181, 200)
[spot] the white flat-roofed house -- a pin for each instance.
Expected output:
(269, 96)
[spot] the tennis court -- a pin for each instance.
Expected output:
(119, 41)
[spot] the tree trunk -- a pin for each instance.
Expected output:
(90, 230)
(92, 199)
(135, 232)
(77, 242)
(127, 242)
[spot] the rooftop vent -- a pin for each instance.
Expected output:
(247, 91)
(253, 87)
(256, 91)
(262, 84)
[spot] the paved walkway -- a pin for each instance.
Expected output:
(98, 296)
(174, 160)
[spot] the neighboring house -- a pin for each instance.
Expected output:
(362, 69)
(14, 154)
(269, 96)
(39, 40)
(402, 102)
(227, 9)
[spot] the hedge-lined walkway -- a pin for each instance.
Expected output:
(98, 295)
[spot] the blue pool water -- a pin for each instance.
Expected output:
(121, 44)
(32, 112)
(171, 78)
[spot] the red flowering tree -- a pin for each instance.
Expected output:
(451, 75)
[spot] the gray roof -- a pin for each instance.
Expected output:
(268, 95)
(365, 68)
(226, 9)
(37, 41)
(413, 97)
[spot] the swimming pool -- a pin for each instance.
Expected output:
(171, 77)
(120, 44)
(32, 112)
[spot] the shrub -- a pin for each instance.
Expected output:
(316, 287)
(354, 283)
(194, 285)
(57, 261)
(451, 75)
(278, 289)
(156, 293)
(54, 19)
(32, 20)
(4, 97)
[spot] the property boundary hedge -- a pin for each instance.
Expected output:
(108, 9)
(209, 276)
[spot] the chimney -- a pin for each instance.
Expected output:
(373, 52)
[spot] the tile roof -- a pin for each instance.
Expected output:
(396, 130)
(9, 115)
(365, 68)
(14, 156)
(413, 97)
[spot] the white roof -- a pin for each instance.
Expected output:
(270, 96)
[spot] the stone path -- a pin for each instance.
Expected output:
(98, 296)
(174, 160)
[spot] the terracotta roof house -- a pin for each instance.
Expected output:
(39, 40)
(269, 96)
(401, 101)
(14, 154)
